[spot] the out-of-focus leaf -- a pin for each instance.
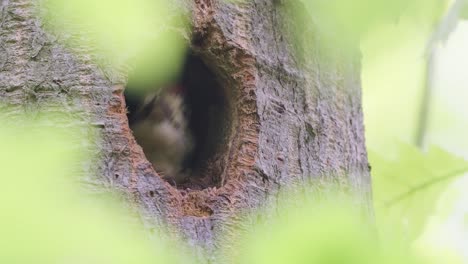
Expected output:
(45, 216)
(326, 232)
(445, 236)
(142, 33)
(344, 21)
(407, 187)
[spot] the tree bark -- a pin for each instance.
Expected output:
(291, 122)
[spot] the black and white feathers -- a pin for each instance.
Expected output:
(160, 126)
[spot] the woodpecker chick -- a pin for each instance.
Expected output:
(160, 126)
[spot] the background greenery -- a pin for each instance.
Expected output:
(418, 188)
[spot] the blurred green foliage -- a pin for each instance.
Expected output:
(445, 239)
(342, 23)
(144, 34)
(407, 187)
(45, 216)
(330, 232)
(409, 182)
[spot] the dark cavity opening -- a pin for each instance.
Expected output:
(206, 114)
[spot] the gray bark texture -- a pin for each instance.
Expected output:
(292, 122)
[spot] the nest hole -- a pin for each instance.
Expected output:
(207, 117)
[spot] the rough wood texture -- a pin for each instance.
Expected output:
(292, 123)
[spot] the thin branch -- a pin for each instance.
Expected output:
(425, 107)
(441, 33)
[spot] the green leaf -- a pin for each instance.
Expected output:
(45, 216)
(144, 34)
(407, 187)
(318, 233)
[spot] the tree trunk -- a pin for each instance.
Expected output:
(285, 122)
